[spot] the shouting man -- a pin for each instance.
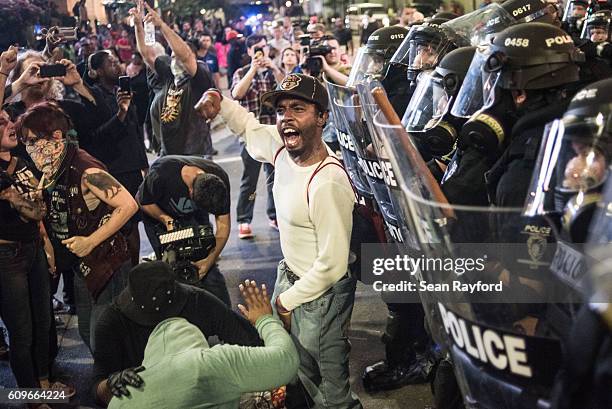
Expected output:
(314, 292)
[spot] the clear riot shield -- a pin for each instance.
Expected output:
(338, 94)
(479, 25)
(486, 284)
(377, 175)
(599, 250)
(370, 111)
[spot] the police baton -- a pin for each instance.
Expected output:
(381, 99)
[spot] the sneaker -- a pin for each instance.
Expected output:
(273, 223)
(244, 231)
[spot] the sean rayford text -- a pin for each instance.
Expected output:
(411, 265)
(424, 286)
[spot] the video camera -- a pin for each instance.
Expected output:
(56, 34)
(183, 245)
(312, 48)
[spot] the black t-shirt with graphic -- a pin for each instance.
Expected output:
(164, 187)
(13, 227)
(178, 126)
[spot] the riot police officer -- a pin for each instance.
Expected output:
(522, 75)
(405, 338)
(374, 61)
(425, 46)
(597, 36)
(578, 185)
(427, 118)
(574, 16)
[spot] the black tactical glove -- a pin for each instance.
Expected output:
(118, 381)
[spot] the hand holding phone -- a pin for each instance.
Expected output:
(125, 84)
(52, 70)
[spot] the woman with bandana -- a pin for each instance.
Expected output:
(86, 209)
(24, 273)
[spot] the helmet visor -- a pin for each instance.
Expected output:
(478, 89)
(401, 55)
(573, 160)
(574, 11)
(367, 64)
(479, 25)
(597, 29)
(424, 55)
(429, 103)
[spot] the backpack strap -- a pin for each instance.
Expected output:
(276, 155)
(321, 166)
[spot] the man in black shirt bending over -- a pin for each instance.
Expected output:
(184, 190)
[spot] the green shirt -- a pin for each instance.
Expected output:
(182, 371)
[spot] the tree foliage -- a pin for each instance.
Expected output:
(18, 13)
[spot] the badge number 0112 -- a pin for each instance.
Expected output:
(32, 395)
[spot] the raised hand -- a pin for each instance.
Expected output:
(72, 76)
(152, 16)
(8, 60)
(256, 300)
(209, 105)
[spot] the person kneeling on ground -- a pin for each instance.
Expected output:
(178, 355)
(152, 295)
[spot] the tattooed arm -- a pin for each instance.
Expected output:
(28, 209)
(105, 188)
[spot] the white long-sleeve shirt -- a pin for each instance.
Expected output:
(314, 236)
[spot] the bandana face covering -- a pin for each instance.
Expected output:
(47, 155)
(178, 71)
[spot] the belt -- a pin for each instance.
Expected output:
(292, 277)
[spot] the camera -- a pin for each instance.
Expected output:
(313, 48)
(6, 180)
(56, 34)
(183, 245)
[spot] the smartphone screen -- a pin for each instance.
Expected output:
(125, 84)
(52, 70)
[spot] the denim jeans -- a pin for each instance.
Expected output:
(90, 310)
(248, 187)
(319, 329)
(26, 309)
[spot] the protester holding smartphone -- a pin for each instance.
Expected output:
(120, 145)
(248, 85)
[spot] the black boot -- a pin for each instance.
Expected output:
(383, 376)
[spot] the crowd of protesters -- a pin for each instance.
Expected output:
(76, 143)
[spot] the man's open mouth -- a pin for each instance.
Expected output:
(291, 136)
